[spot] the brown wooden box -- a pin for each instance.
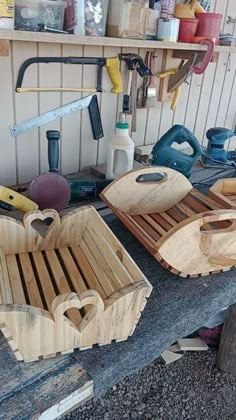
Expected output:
(71, 287)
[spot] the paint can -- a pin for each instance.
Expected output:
(168, 29)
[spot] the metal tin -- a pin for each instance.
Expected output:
(168, 29)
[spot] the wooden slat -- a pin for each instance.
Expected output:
(146, 227)
(101, 260)
(186, 210)
(5, 288)
(49, 76)
(89, 147)
(90, 252)
(70, 139)
(88, 273)
(47, 287)
(151, 221)
(172, 222)
(175, 214)
(72, 270)
(162, 221)
(30, 281)
(62, 283)
(194, 204)
(130, 219)
(118, 249)
(205, 199)
(15, 280)
(26, 106)
(122, 277)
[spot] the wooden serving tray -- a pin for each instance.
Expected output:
(71, 287)
(188, 233)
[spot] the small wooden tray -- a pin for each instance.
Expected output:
(224, 192)
(188, 233)
(77, 268)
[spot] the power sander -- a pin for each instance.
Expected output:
(215, 152)
(164, 154)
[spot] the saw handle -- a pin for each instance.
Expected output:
(112, 65)
(53, 137)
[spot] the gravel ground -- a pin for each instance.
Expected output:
(191, 388)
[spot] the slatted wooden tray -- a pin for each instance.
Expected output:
(188, 233)
(72, 286)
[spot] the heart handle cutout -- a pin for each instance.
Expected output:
(42, 222)
(64, 302)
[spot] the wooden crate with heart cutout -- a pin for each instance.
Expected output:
(70, 287)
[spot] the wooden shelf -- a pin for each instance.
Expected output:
(104, 41)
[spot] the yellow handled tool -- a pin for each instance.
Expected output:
(11, 198)
(113, 69)
(176, 91)
(112, 65)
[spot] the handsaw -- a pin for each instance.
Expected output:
(184, 72)
(89, 102)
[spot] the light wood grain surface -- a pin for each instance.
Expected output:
(69, 285)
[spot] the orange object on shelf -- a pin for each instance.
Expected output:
(189, 9)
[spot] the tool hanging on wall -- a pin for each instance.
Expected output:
(197, 62)
(135, 65)
(142, 89)
(112, 66)
(89, 102)
(151, 90)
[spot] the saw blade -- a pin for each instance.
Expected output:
(50, 116)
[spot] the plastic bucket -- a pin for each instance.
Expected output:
(209, 25)
(187, 29)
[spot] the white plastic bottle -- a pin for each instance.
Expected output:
(120, 157)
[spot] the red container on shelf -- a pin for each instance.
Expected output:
(187, 29)
(209, 25)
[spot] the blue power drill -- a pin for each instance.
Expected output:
(215, 151)
(165, 155)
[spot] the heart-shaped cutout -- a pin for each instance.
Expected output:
(91, 299)
(42, 226)
(42, 222)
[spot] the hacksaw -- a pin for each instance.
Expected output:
(89, 102)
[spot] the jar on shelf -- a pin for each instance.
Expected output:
(167, 8)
